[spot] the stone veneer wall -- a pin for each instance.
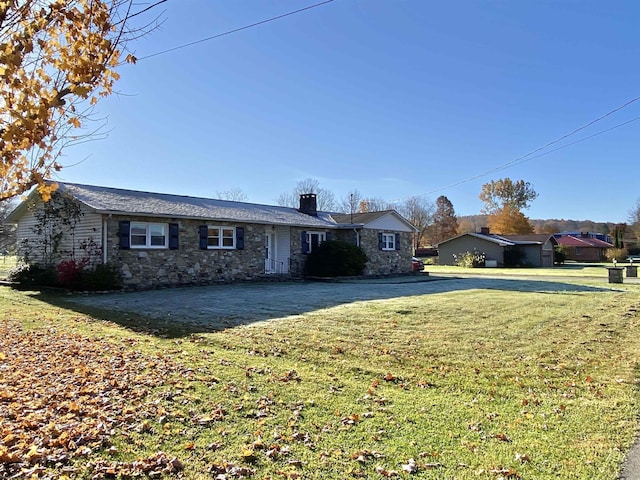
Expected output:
(384, 262)
(380, 262)
(297, 259)
(188, 265)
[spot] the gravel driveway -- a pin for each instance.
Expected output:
(227, 305)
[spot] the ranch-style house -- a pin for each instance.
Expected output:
(158, 240)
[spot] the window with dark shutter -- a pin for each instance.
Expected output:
(397, 241)
(203, 232)
(305, 242)
(174, 232)
(240, 238)
(125, 228)
(387, 241)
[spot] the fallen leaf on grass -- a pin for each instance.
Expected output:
(64, 395)
(504, 472)
(502, 437)
(410, 466)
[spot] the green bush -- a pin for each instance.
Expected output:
(559, 254)
(102, 277)
(67, 274)
(335, 258)
(34, 275)
(617, 254)
(468, 259)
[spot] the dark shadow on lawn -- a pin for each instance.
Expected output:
(179, 312)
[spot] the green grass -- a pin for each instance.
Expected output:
(470, 384)
(6, 264)
(567, 270)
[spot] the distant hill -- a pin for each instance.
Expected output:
(475, 222)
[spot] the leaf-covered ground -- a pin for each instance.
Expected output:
(474, 384)
(62, 397)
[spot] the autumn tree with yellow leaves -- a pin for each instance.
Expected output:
(57, 59)
(504, 200)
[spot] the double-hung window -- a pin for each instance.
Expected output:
(388, 241)
(311, 240)
(148, 235)
(315, 239)
(221, 237)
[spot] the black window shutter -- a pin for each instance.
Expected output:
(304, 242)
(125, 229)
(329, 236)
(380, 242)
(203, 232)
(397, 241)
(174, 232)
(240, 238)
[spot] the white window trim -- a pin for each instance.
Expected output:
(322, 237)
(147, 227)
(220, 229)
(388, 241)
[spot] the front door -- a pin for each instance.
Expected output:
(269, 251)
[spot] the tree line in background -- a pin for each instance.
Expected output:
(430, 219)
(504, 201)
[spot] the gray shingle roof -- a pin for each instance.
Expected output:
(506, 240)
(132, 202)
(363, 218)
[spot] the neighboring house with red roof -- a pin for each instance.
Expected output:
(531, 250)
(584, 247)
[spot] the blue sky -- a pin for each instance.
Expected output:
(390, 97)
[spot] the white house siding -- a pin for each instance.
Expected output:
(88, 234)
(390, 223)
(88, 228)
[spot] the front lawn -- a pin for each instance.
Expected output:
(7, 262)
(472, 384)
(567, 270)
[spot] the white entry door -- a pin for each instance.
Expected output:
(269, 251)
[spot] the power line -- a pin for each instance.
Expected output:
(528, 156)
(234, 30)
(559, 139)
(577, 141)
(522, 159)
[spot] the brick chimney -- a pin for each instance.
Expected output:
(309, 204)
(484, 230)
